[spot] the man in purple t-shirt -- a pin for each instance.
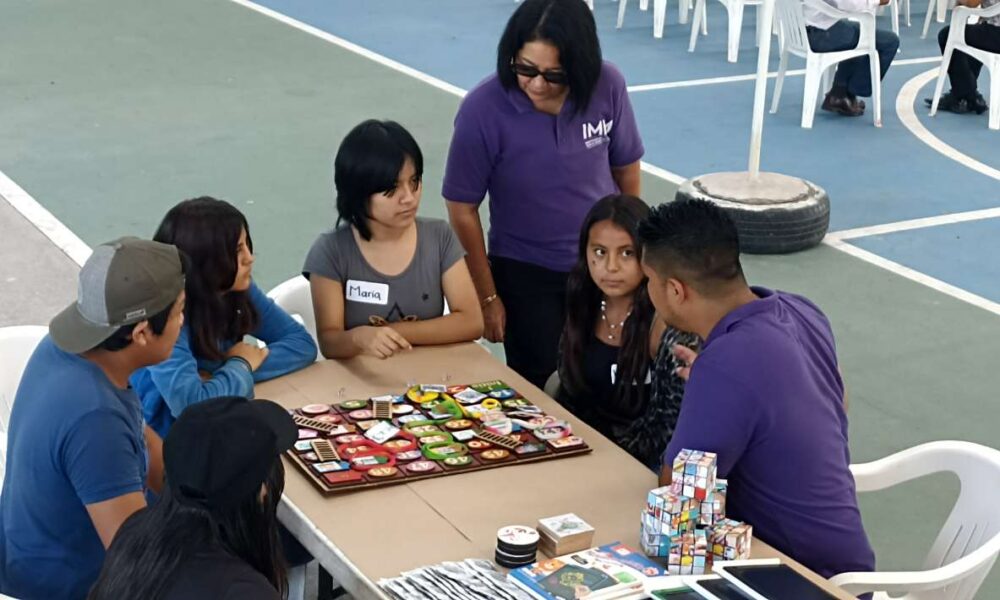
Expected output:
(765, 392)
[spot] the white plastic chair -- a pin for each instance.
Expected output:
(660, 15)
(16, 346)
(734, 9)
(938, 8)
(820, 65)
(956, 42)
(969, 542)
(295, 298)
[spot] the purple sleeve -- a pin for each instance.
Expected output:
(470, 159)
(626, 144)
(717, 415)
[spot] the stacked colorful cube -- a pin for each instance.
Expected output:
(731, 540)
(685, 521)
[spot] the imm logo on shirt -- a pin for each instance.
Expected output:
(595, 134)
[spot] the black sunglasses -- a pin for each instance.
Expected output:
(555, 77)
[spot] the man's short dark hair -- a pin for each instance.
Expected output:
(694, 241)
(369, 162)
(566, 24)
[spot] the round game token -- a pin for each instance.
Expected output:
(518, 536)
(515, 558)
(495, 454)
(502, 394)
(310, 456)
(424, 429)
(328, 418)
(421, 466)
(433, 439)
(353, 404)
(347, 438)
(315, 409)
(515, 403)
(458, 424)
(402, 409)
(383, 471)
(397, 445)
(478, 444)
(360, 414)
(409, 455)
(458, 461)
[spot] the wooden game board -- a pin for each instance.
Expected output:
(441, 431)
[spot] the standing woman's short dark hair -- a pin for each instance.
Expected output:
(566, 24)
(368, 162)
(208, 231)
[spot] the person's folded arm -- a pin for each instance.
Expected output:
(290, 347)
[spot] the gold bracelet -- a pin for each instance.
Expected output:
(487, 300)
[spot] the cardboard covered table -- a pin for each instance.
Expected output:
(360, 537)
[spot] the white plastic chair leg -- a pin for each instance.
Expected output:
(826, 79)
(931, 8)
(894, 15)
(876, 75)
(683, 8)
(643, 4)
(780, 81)
(942, 10)
(735, 28)
(810, 93)
(995, 97)
(949, 49)
(699, 15)
(906, 11)
(659, 17)
(297, 583)
(621, 13)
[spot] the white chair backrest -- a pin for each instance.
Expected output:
(16, 346)
(792, 23)
(295, 298)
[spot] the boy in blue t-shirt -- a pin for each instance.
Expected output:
(78, 453)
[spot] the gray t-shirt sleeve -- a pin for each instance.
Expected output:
(449, 245)
(325, 258)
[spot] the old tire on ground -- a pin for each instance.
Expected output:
(774, 214)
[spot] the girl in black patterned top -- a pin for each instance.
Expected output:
(616, 370)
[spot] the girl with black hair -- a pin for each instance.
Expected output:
(381, 278)
(210, 358)
(616, 370)
(213, 534)
(545, 136)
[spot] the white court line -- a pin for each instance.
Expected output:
(962, 217)
(649, 87)
(917, 276)
(904, 108)
(44, 221)
(400, 67)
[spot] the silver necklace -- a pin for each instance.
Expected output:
(611, 326)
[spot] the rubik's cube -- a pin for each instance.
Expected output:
(731, 540)
(669, 514)
(694, 474)
(713, 508)
(689, 553)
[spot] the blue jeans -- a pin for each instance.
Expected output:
(853, 74)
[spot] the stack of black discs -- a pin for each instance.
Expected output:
(516, 546)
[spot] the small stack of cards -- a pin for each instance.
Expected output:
(564, 534)
(517, 546)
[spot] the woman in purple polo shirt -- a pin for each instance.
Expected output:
(546, 136)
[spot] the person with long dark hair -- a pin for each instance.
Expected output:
(213, 534)
(546, 135)
(224, 305)
(381, 277)
(607, 373)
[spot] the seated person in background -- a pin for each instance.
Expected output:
(213, 535)
(611, 334)
(764, 393)
(78, 456)
(964, 70)
(853, 77)
(210, 358)
(380, 281)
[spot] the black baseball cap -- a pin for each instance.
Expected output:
(219, 452)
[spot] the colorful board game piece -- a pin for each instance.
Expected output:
(324, 450)
(382, 407)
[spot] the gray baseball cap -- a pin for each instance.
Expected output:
(123, 283)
